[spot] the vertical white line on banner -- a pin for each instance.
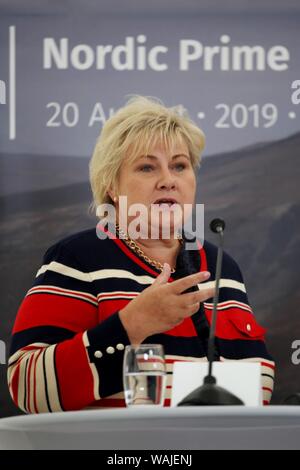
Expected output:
(12, 82)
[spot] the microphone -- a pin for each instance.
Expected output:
(210, 394)
(217, 225)
(293, 399)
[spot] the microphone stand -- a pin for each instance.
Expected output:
(211, 394)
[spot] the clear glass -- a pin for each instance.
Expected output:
(144, 375)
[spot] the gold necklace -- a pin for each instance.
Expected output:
(137, 249)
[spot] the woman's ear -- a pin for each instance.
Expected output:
(110, 193)
(112, 196)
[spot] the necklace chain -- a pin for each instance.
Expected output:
(137, 249)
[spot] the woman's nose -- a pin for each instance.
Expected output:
(166, 180)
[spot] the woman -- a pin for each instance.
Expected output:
(99, 290)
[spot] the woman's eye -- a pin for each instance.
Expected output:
(146, 168)
(180, 166)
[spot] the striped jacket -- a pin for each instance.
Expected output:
(68, 341)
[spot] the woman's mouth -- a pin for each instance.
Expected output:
(165, 203)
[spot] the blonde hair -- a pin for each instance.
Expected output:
(137, 126)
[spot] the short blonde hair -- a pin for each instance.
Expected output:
(137, 126)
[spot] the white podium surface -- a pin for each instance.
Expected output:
(188, 428)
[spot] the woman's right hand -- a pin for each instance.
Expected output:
(163, 305)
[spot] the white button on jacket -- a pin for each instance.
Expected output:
(110, 350)
(98, 354)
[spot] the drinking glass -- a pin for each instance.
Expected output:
(144, 375)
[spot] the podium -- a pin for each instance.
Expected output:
(272, 427)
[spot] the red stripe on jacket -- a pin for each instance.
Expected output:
(70, 358)
(64, 312)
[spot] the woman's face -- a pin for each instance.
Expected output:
(158, 180)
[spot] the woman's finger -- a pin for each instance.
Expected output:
(198, 296)
(180, 285)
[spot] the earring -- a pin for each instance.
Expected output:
(115, 199)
